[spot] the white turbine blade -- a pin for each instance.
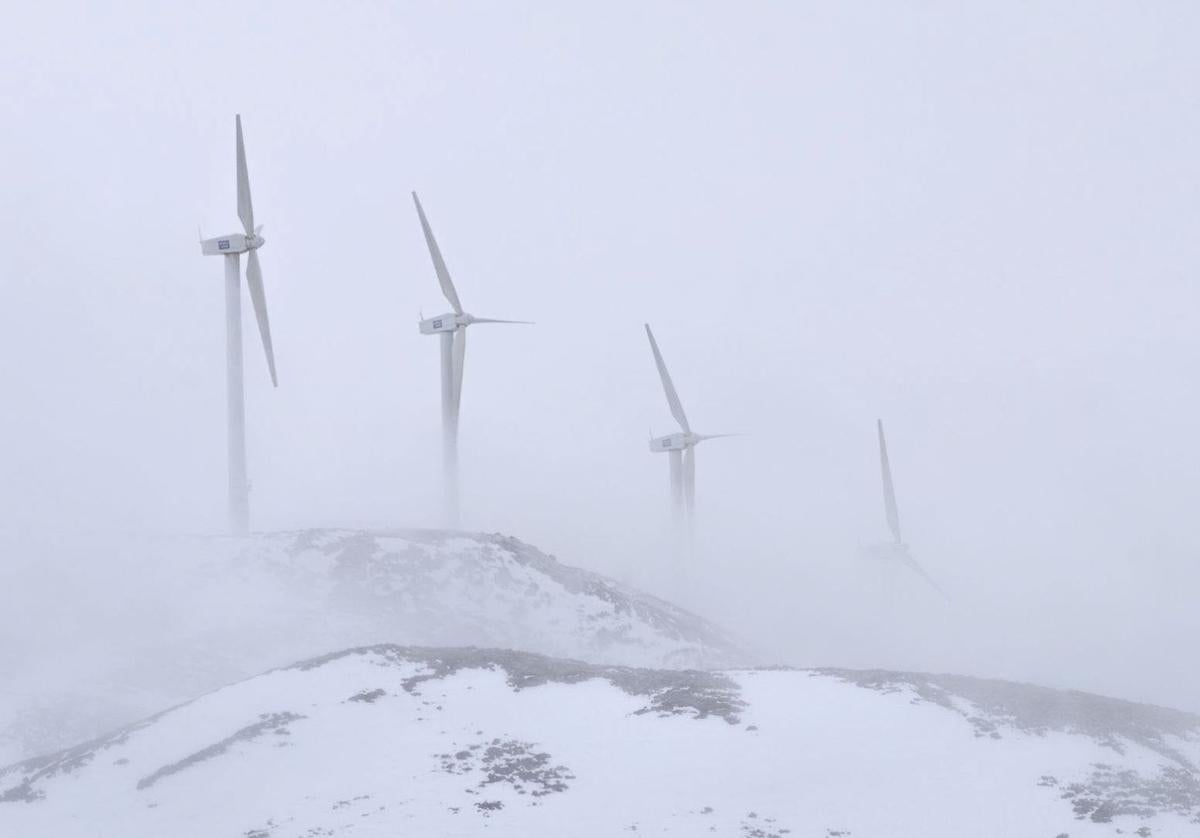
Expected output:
(491, 320)
(460, 352)
(245, 206)
(668, 387)
(889, 491)
(717, 436)
(912, 565)
(259, 298)
(439, 264)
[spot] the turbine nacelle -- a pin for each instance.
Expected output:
(231, 244)
(674, 442)
(453, 322)
(885, 551)
(444, 323)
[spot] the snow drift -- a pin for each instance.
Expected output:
(393, 740)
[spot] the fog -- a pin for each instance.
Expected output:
(976, 223)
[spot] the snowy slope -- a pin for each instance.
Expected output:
(439, 588)
(194, 614)
(389, 740)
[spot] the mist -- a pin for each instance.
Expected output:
(976, 223)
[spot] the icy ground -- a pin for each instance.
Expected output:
(182, 616)
(392, 740)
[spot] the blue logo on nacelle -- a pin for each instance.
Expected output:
(223, 244)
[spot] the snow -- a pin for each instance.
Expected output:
(469, 684)
(221, 609)
(392, 740)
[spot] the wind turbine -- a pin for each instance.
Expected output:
(231, 247)
(680, 447)
(452, 327)
(897, 550)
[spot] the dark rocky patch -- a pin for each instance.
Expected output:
(1038, 710)
(342, 804)
(23, 792)
(368, 696)
(517, 764)
(1107, 793)
(267, 723)
(670, 691)
(1110, 792)
(34, 770)
(509, 761)
(754, 827)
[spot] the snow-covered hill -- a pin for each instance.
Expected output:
(190, 615)
(392, 740)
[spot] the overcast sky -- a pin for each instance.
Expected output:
(976, 221)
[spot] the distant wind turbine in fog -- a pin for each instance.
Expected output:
(231, 247)
(897, 550)
(453, 330)
(681, 447)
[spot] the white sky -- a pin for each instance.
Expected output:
(977, 221)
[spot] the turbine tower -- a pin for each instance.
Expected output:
(897, 550)
(452, 328)
(231, 247)
(680, 447)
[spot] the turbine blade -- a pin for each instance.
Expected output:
(259, 298)
(912, 565)
(717, 436)
(245, 205)
(889, 491)
(460, 352)
(491, 320)
(439, 264)
(668, 387)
